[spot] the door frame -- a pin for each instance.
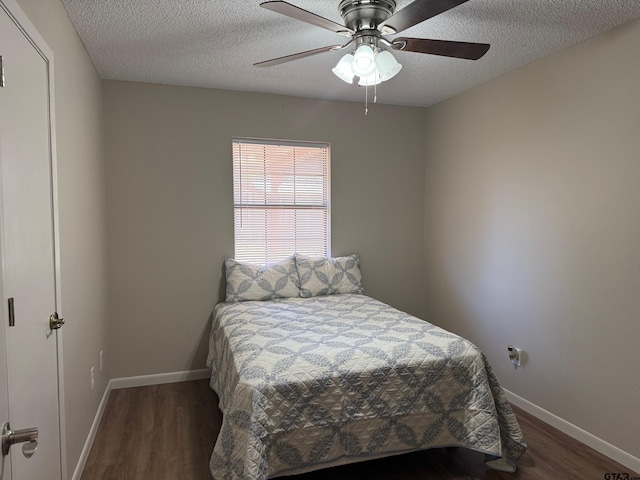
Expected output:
(15, 12)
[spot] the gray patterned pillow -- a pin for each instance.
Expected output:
(247, 281)
(326, 276)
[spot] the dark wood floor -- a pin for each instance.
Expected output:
(167, 432)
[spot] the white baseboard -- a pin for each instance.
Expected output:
(159, 379)
(82, 461)
(127, 382)
(599, 445)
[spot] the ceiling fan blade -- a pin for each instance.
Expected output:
(300, 14)
(416, 12)
(296, 56)
(445, 48)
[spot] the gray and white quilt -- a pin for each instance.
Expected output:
(307, 383)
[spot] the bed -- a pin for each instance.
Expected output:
(309, 383)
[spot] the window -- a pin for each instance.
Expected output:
(281, 199)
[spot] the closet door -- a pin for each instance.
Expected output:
(28, 256)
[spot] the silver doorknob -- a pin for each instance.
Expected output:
(55, 322)
(28, 436)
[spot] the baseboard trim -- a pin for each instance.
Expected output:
(82, 461)
(128, 382)
(599, 445)
(159, 379)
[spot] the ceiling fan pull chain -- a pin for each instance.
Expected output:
(375, 93)
(366, 99)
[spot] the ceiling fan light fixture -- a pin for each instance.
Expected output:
(363, 61)
(387, 66)
(343, 69)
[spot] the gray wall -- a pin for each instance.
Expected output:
(532, 231)
(170, 210)
(81, 196)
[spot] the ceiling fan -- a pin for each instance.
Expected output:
(367, 23)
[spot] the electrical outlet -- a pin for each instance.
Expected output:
(93, 379)
(101, 360)
(515, 355)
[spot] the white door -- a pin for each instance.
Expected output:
(27, 243)
(5, 467)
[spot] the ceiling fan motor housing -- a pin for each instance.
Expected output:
(361, 15)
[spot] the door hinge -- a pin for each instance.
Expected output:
(12, 314)
(1, 73)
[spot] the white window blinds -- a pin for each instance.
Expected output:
(281, 199)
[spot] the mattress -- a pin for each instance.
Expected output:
(307, 383)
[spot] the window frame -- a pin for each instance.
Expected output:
(269, 142)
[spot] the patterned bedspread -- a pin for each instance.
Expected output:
(306, 383)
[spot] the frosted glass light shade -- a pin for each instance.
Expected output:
(363, 61)
(343, 68)
(373, 79)
(387, 66)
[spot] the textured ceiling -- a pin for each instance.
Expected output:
(214, 43)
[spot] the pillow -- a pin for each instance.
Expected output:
(326, 276)
(247, 281)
